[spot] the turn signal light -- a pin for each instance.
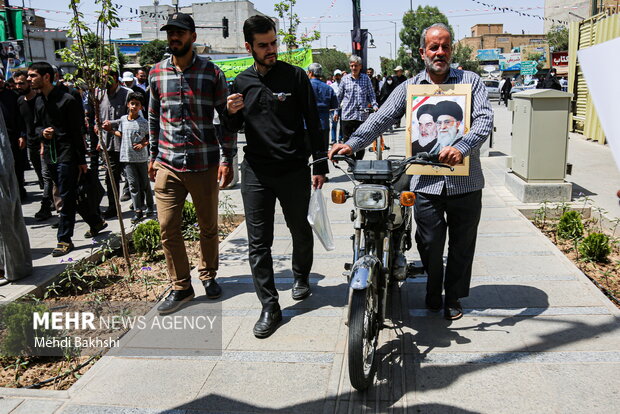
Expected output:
(407, 198)
(339, 196)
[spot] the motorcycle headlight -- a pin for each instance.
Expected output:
(371, 197)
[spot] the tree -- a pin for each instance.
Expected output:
(557, 38)
(462, 56)
(414, 23)
(331, 59)
(289, 33)
(387, 65)
(90, 55)
(152, 52)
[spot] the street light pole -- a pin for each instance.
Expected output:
(390, 43)
(395, 54)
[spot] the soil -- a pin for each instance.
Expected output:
(149, 282)
(605, 275)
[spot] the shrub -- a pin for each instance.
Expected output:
(190, 222)
(17, 323)
(147, 238)
(595, 247)
(570, 226)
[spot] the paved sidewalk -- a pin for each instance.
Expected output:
(537, 336)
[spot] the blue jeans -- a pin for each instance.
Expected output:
(334, 125)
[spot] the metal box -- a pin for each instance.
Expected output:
(540, 134)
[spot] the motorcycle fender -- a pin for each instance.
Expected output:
(364, 272)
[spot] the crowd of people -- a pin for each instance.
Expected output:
(162, 126)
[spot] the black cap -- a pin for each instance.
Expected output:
(180, 21)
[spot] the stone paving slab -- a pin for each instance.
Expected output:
(38, 407)
(150, 383)
(8, 404)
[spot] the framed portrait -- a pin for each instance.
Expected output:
(437, 116)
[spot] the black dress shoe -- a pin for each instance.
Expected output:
(453, 310)
(212, 289)
(175, 300)
(301, 288)
(43, 214)
(433, 302)
(267, 323)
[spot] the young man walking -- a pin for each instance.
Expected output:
(185, 156)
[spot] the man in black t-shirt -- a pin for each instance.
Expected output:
(274, 100)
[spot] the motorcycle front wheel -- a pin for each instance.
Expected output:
(363, 338)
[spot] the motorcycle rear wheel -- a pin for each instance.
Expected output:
(363, 338)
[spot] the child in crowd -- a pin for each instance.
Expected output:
(134, 131)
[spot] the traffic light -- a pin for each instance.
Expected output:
(225, 27)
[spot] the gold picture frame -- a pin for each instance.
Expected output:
(438, 106)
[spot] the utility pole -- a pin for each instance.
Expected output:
(155, 4)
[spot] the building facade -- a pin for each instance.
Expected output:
(206, 16)
(492, 36)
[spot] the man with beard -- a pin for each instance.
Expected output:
(26, 103)
(58, 121)
(444, 203)
(14, 128)
(185, 156)
(142, 77)
(448, 116)
(113, 105)
(427, 130)
(274, 99)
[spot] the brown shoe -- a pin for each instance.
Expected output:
(62, 248)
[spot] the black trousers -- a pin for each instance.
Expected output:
(117, 168)
(65, 177)
(259, 193)
(348, 128)
(35, 159)
(460, 215)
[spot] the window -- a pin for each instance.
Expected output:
(59, 44)
(503, 40)
(537, 41)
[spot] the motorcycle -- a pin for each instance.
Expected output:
(382, 222)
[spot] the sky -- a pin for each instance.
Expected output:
(334, 18)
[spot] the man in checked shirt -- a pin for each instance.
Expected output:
(451, 203)
(185, 156)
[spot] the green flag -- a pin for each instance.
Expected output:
(11, 19)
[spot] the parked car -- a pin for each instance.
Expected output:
(529, 85)
(492, 88)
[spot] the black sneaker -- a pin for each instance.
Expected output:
(125, 197)
(56, 224)
(137, 218)
(175, 300)
(95, 230)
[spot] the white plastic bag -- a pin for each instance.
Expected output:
(319, 221)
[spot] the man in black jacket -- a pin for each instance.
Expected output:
(15, 129)
(58, 121)
(274, 99)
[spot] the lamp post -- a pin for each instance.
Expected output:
(395, 41)
(389, 43)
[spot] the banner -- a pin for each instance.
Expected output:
(510, 61)
(543, 51)
(487, 54)
(12, 57)
(559, 59)
(233, 67)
